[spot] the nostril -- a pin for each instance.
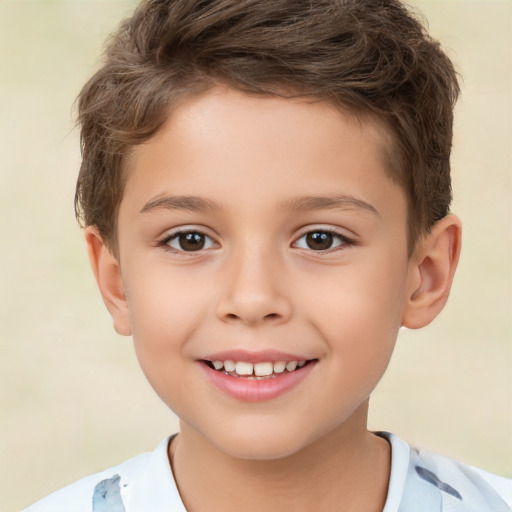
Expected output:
(253, 309)
(270, 317)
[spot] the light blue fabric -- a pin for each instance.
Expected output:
(419, 482)
(425, 482)
(444, 485)
(106, 496)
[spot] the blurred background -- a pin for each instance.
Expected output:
(72, 398)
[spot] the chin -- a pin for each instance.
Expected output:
(263, 444)
(241, 449)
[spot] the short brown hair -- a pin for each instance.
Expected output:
(368, 56)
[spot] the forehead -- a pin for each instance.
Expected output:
(258, 149)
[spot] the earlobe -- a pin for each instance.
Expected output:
(431, 272)
(110, 282)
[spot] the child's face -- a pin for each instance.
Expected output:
(296, 251)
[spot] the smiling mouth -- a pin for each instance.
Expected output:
(256, 371)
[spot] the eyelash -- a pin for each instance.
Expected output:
(343, 240)
(176, 234)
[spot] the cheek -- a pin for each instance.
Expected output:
(361, 293)
(164, 314)
(358, 313)
(162, 322)
(164, 305)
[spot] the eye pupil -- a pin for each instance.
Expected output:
(319, 240)
(192, 241)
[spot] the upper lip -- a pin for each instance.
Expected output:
(260, 356)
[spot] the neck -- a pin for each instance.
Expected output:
(347, 469)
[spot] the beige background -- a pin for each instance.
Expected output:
(72, 399)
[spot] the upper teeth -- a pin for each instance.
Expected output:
(258, 369)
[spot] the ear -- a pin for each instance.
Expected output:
(110, 282)
(431, 272)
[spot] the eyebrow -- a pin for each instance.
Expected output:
(344, 202)
(189, 203)
(301, 203)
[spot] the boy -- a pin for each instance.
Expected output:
(265, 189)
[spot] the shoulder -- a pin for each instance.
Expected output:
(78, 496)
(431, 482)
(140, 482)
(456, 485)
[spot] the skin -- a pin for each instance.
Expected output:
(258, 285)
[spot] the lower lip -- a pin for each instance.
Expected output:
(252, 390)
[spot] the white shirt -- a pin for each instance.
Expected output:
(419, 482)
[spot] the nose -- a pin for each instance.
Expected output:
(255, 291)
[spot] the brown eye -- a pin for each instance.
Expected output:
(319, 240)
(322, 240)
(190, 241)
